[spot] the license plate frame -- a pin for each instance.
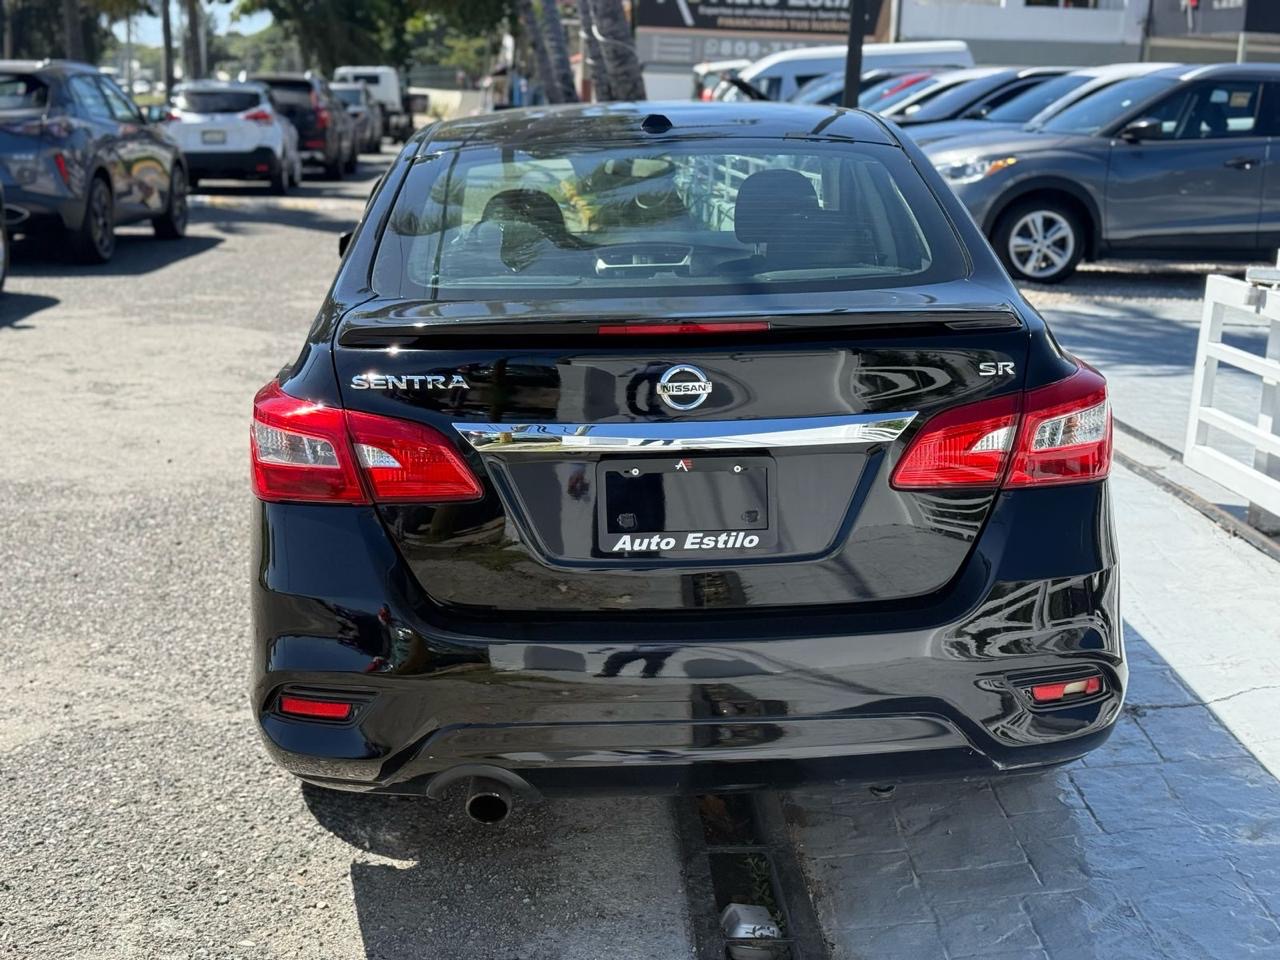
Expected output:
(213, 137)
(740, 485)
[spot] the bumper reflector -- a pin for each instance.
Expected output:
(1066, 690)
(314, 709)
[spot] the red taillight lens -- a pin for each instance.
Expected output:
(309, 452)
(640, 329)
(60, 162)
(1066, 433)
(1053, 435)
(314, 709)
(966, 446)
(258, 116)
(301, 451)
(1066, 690)
(406, 461)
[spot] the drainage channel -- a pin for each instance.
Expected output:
(737, 851)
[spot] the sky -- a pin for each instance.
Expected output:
(146, 30)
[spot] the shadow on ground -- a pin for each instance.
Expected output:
(1163, 843)
(137, 253)
(17, 308)
(561, 879)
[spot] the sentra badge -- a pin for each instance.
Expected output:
(425, 381)
(684, 387)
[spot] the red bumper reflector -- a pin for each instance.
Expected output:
(315, 709)
(313, 144)
(666, 329)
(261, 168)
(1053, 692)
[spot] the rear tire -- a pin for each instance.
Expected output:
(1039, 241)
(280, 179)
(334, 170)
(4, 255)
(172, 224)
(95, 241)
(353, 159)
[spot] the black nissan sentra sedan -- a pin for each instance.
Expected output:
(677, 447)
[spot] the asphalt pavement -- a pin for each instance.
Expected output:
(140, 816)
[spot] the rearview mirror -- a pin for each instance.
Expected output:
(344, 241)
(1146, 128)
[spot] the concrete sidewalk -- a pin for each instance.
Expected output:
(1163, 843)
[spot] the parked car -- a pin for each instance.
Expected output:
(709, 74)
(233, 130)
(875, 85)
(384, 87)
(779, 75)
(78, 157)
(1036, 104)
(365, 113)
(326, 134)
(972, 91)
(1172, 164)
(771, 475)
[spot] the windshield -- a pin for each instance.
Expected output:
(349, 95)
(691, 218)
(19, 91)
(217, 101)
(1091, 114)
(1027, 104)
(952, 100)
(823, 90)
(896, 90)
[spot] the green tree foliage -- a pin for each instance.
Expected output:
(38, 28)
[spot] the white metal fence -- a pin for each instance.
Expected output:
(1254, 301)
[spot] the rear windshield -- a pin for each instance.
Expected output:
(21, 91)
(694, 218)
(217, 101)
(348, 96)
(290, 93)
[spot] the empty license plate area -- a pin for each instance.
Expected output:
(687, 507)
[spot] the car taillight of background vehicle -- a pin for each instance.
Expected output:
(322, 112)
(258, 116)
(1051, 435)
(310, 452)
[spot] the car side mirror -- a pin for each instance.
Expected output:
(1145, 128)
(344, 241)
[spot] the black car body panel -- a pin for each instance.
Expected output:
(884, 632)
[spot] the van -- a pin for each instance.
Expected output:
(779, 75)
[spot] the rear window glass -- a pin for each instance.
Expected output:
(217, 101)
(690, 219)
(348, 96)
(22, 92)
(290, 93)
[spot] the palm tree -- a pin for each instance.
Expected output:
(541, 61)
(591, 52)
(614, 34)
(558, 51)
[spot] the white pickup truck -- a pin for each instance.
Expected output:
(384, 86)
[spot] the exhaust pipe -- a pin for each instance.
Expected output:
(488, 801)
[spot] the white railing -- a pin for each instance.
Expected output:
(1255, 302)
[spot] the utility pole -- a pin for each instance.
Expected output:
(853, 58)
(166, 58)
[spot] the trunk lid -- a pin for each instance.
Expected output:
(616, 480)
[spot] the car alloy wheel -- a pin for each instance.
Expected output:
(1042, 244)
(101, 220)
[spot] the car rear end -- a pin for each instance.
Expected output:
(300, 100)
(228, 131)
(40, 151)
(631, 460)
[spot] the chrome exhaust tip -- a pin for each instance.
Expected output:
(488, 801)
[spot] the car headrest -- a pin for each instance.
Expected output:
(767, 197)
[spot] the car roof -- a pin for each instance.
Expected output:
(1227, 71)
(245, 85)
(1118, 71)
(600, 122)
(839, 50)
(37, 66)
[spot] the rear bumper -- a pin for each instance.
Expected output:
(258, 164)
(933, 688)
(28, 210)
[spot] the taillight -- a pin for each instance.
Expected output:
(322, 112)
(310, 452)
(1066, 433)
(1052, 435)
(60, 162)
(258, 116)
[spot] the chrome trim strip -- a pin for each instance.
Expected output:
(685, 435)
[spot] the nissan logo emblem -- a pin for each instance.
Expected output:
(684, 387)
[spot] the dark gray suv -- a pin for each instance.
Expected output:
(1174, 164)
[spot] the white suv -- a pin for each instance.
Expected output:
(233, 130)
